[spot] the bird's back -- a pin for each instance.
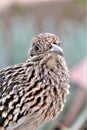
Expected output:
(11, 92)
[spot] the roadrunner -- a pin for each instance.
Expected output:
(34, 91)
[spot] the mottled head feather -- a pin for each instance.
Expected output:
(43, 42)
(46, 38)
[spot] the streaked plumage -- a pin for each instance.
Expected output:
(34, 91)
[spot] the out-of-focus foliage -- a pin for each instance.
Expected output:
(67, 19)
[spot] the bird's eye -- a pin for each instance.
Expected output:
(36, 48)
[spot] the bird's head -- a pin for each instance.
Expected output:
(46, 43)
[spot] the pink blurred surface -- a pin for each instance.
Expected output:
(79, 74)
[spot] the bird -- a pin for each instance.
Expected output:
(35, 91)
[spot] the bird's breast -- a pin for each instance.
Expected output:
(50, 89)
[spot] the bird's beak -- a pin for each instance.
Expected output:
(56, 49)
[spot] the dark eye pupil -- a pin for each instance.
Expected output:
(36, 48)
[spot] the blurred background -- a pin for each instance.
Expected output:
(23, 19)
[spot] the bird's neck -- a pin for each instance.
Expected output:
(48, 58)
